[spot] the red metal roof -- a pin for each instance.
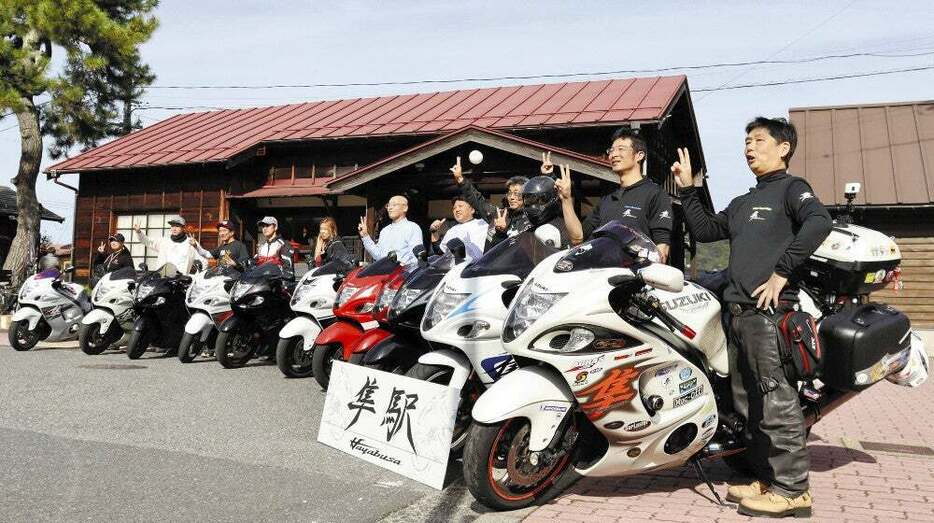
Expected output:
(219, 135)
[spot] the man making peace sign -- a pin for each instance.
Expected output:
(639, 202)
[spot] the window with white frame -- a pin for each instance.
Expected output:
(154, 225)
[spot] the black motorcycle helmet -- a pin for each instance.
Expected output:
(540, 200)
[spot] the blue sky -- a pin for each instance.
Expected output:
(292, 42)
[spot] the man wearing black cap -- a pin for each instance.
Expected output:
(118, 258)
(229, 251)
(274, 249)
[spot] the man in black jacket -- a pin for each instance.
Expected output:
(639, 202)
(229, 250)
(772, 230)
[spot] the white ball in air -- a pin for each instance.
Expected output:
(475, 157)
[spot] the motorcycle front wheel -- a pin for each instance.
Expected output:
(139, 342)
(498, 470)
(234, 349)
(92, 341)
(191, 347)
(23, 339)
(292, 358)
(469, 394)
(323, 358)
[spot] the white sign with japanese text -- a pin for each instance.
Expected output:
(399, 423)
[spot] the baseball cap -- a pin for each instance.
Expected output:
(268, 220)
(117, 237)
(176, 220)
(227, 224)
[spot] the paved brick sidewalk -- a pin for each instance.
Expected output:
(849, 483)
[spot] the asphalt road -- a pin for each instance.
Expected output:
(105, 438)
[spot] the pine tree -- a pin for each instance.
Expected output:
(101, 78)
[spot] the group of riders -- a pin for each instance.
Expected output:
(772, 230)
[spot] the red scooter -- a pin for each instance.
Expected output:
(355, 309)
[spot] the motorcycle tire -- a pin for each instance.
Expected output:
(487, 454)
(237, 358)
(293, 360)
(189, 348)
(23, 339)
(139, 342)
(92, 341)
(442, 376)
(323, 358)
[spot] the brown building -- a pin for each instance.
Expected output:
(889, 150)
(345, 158)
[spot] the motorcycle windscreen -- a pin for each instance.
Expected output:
(262, 272)
(124, 273)
(613, 246)
(221, 271)
(332, 267)
(380, 267)
(517, 255)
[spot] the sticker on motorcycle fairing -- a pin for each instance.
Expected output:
(643, 352)
(553, 408)
(613, 390)
(666, 370)
(709, 420)
(368, 325)
(52, 312)
(636, 426)
(613, 425)
(610, 344)
(586, 364)
(564, 266)
(498, 366)
(690, 303)
(681, 400)
(685, 386)
(685, 373)
(581, 378)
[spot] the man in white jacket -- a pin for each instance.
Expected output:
(173, 249)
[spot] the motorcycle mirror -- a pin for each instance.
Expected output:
(458, 249)
(131, 285)
(512, 284)
(393, 256)
(338, 281)
(197, 266)
(143, 267)
(621, 279)
(664, 277)
(68, 270)
(420, 252)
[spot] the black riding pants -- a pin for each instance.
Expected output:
(775, 433)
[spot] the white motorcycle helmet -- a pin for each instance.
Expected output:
(915, 371)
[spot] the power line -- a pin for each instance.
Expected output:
(809, 80)
(552, 76)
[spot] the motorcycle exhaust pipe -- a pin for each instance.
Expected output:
(827, 402)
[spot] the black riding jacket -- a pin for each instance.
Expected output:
(773, 228)
(644, 206)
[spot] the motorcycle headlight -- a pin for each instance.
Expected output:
(385, 298)
(533, 302)
(405, 297)
(345, 294)
(256, 301)
(143, 291)
(238, 290)
(441, 306)
(301, 294)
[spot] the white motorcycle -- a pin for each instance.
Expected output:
(208, 301)
(464, 318)
(623, 366)
(49, 310)
(313, 304)
(111, 320)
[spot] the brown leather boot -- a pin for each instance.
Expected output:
(737, 493)
(772, 505)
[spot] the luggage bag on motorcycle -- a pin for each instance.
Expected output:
(862, 344)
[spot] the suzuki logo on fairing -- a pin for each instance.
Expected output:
(684, 301)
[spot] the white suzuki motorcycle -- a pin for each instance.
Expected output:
(464, 317)
(623, 366)
(313, 304)
(208, 301)
(49, 310)
(111, 320)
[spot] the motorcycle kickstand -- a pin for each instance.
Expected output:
(703, 476)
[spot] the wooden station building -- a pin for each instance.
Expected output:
(346, 158)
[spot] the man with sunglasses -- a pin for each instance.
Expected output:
(639, 202)
(400, 236)
(274, 249)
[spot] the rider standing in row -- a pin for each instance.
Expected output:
(639, 202)
(772, 230)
